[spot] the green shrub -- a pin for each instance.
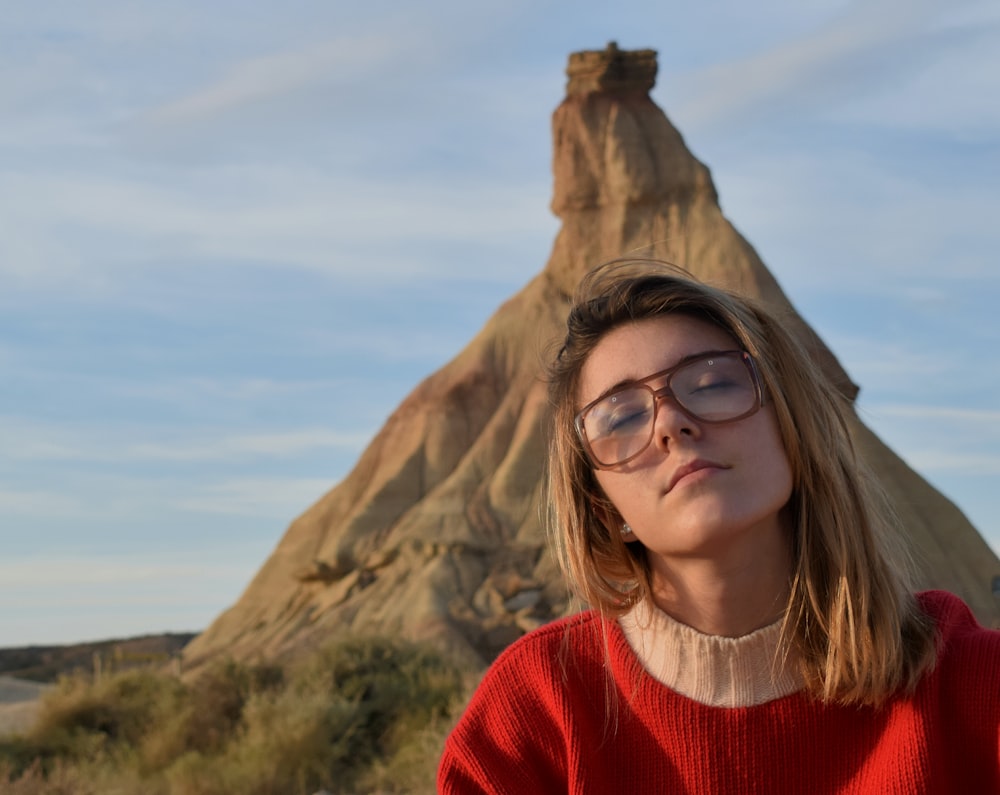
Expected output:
(291, 744)
(115, 712)
(59, 780)
(359, 714)
(343, 711)
(395, 687)
(211, 714)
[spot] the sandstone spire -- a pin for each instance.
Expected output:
(436, 533)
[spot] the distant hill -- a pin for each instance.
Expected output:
(46, 663)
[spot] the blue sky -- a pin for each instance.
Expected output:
(234, 235)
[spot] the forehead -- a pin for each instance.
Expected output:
(635, 350)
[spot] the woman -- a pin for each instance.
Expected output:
(751, 627)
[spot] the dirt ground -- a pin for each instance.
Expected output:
(18, 703)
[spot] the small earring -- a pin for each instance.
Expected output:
(626, 530)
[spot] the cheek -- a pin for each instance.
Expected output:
(773, 464)
(615, 489)
(606, 486)
(632, 500)
(783, 481)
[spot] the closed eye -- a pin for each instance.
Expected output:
(625, 421)
(620, 414)
(716, 386)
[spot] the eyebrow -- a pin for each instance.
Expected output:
(625, 382)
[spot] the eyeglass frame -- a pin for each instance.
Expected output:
(665, 393)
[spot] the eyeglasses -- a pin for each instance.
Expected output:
(721, 386)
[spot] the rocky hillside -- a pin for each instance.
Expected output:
(437, 532)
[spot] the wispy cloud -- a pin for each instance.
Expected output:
(268, 217)
(122, 501)
(957, 68)
(260, 79)
(875, 220)
(275, 497)
(883, 364)
(37, 503)
(290, 443)
(807, 69)
(950, 413)
(41, 442)
(935, 461)
(201, 389)
(64, 573)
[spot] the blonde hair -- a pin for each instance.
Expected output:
(851, 617)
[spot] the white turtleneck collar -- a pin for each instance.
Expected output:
(710, 669)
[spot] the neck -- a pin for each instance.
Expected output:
(728, 595)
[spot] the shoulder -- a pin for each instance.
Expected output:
(954, 619)
(511, 736)
(961, 694)
(580, 627)
(963, 643)
(549, 652)
(541, 676)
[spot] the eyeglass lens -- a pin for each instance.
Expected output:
(714, 388)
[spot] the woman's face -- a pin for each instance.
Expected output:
(698, 489)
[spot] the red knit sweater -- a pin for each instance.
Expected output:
(539, 725)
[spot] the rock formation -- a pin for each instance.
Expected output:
(437, 531)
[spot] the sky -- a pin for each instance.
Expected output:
(234, 236)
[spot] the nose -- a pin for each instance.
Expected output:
(670, 421)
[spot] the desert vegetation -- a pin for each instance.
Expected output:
(358, 715)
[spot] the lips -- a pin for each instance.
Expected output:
(689, 469)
